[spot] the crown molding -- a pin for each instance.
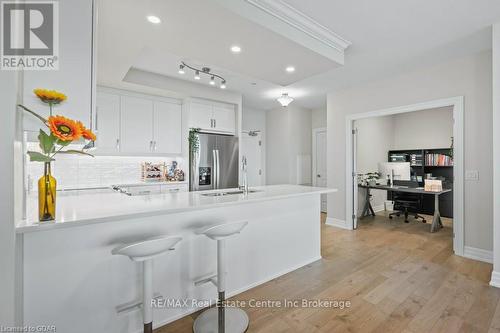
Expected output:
(298, 20)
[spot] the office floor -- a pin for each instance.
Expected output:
(398, 278)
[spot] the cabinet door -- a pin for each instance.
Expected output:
(167, 128)
(107, 123)
(136, 124)
(225, 118)
(200, 116)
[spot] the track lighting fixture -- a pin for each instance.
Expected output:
(204, 70)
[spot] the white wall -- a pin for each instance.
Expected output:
(423, 129)
(318, 118)
(289, 136)
(469, 77)
(252, 120)
(495, 277)
(8, 101)
(375, 138)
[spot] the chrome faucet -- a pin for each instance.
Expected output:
(244, 167)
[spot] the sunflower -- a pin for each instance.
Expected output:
(65, 129)
(50, 96)
(86, 133)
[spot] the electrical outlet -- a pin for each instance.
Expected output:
(472, 175)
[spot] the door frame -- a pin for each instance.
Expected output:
(315, 131)
(458, 160)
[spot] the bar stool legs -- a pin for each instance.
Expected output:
(222, 319)
(147, 290)
(145, 251)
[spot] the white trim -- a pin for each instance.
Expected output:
(496, 151)
(161, 323)
(458, 158)
(478, 254)
(333, 222)
(495, 279)
(300, 21)
(315, 131)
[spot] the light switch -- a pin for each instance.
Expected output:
(471, 175)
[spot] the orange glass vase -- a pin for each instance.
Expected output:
(47, 196)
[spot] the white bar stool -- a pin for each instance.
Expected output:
(145, 251)
(221, 320)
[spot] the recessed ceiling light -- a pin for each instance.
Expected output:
(290, 69)
(153, 19)
(235, 49)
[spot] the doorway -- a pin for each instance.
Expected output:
(319, 176)
(251, 147)
(457, 103)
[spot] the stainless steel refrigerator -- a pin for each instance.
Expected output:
(215, 163)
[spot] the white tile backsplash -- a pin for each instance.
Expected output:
(73, 171)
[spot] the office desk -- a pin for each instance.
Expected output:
(436, 220)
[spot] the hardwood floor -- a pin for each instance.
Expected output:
(398, 278)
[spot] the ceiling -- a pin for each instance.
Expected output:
(387, 36)
(200, 33)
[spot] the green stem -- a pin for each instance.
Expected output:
(42, 119)
(50, 106)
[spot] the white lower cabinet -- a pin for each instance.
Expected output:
(133, 124)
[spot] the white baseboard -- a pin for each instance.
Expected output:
(495, 279)
(478, 254)
(333, 222)
(187, 312)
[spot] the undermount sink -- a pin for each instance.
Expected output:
(220, 194)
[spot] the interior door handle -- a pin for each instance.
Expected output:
(214, 169)
(318, 175)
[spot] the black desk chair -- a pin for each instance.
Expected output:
(406, 203)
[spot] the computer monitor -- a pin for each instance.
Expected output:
(402, 170)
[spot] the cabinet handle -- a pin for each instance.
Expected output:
(154, 146)
(211, 123)
(117, 144)
(215, 123)
(151, 145)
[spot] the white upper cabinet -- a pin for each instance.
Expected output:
(212, 117)
(74, 76)
(224, 118)
(107, 124)
(136, 124)
(167, 129)
(200, 115)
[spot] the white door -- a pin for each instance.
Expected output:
(224, 118)
(319, 175)
(251, 147)
(107, 123)
(167, 128)
(200, 116)
(136, 125)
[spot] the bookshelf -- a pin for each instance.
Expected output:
(429, 161)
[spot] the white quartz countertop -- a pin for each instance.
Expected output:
(87, 207)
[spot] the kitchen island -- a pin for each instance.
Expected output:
(71, 280)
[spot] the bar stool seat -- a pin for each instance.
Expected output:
(145, 251)
(222, 319)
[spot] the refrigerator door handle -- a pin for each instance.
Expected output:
(218, 168)
(214, 169)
